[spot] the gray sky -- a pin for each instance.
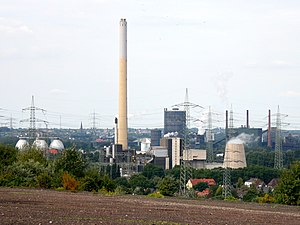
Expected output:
(65, 53)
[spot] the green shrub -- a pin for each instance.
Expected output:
(230, 198)
(266, 199)
(156, 195)
(44, 180)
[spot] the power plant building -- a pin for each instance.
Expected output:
(155, 137)
(174, 122)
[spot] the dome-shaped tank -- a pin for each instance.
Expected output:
(57, 144)
(234, 155)
(40, 144)
(22, 144)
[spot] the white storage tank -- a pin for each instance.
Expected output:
(40, 144)
(57, 144)
(22, 144)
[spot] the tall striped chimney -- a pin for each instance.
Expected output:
(123, 127)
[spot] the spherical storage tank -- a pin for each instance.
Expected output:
(57, 144)
(40, 144)
(22, 144)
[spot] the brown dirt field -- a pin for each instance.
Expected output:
(35, 206)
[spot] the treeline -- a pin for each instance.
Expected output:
(265, 157)
(70, 171)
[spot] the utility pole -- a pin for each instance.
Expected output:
(278, 162)
(209, 138)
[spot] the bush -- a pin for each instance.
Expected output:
(230, 198)
(24, 174)
(8, 155)
(250, 196)
(168, 186)
(44, 180)
(266, 199)
(92, 180)
(156, 195)
(71, 161)
(69, 182)
(108, 184)
(288, 189)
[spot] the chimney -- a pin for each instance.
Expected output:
(123, 125)
(247, 116)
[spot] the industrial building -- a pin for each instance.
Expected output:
(155, 137)
(174, 122)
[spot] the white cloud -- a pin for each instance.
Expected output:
(9, 26)
(58, 91)
(281, 63)
(291, 93)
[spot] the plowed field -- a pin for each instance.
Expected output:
(35, 206)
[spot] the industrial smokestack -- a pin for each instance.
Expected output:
(116, 130)
(123, 127)
(247, 119)
(269, 130)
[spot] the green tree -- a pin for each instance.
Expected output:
(201, 186)
(240, 182)
(71, 161)
(288, 189)
(8, 155)
(174, 172)
(92, 180)
(151, 171)
(32, 154)
(168, 186)
(139, 180)
(251, 195)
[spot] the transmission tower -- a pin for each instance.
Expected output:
(209, 139)
(32, 119)
(186, 167)
(278, 162)
(94, 118)
(226, 191)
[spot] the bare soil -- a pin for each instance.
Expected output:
(35, 206)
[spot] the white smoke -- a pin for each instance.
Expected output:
(243, 139)
(221, 82)
(171, 134)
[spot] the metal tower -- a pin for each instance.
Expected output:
(278, 162)
(32, 119)
(226, 191)
(209, 145)
(186, 167)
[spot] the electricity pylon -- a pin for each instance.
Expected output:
(209, 139)
(32, 119)
(186, 166)
(226, 191)
(278, 161)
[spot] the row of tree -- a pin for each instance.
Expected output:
(71, 171)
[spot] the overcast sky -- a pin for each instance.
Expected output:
(65, 53)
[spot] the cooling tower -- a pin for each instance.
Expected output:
(122, 129)
(234, 156)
